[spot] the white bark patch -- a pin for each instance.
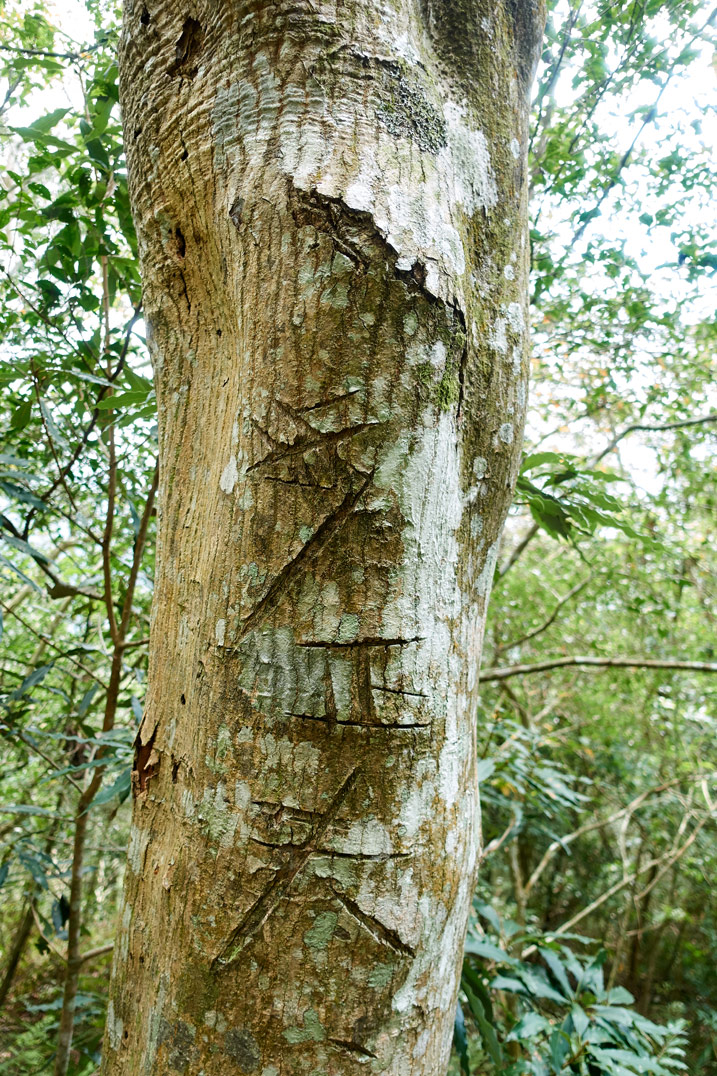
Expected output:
(468, 157)
(485, 579)
(229, 476)
(115, 1027)
(369, 838)
(515, 318)
(138, 841)
(498, 338)
(418, 223)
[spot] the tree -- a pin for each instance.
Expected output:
(331, 213)
(598, 779)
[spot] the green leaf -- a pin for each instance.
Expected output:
(18, 493)
(486, 950)
(529, 1026)
(580, 1020)
(485, 768)
(36, 677)
(58, 438)
(24, 547)
(119, 789)
(537, 459)
(21, 574)
(25, 808)
(84, 703)
(620, 996)
(557, 969)
(21, 416)
(460, 1039)
(486, 1028)
(121, 400)
(46, 123)
(559, 1048)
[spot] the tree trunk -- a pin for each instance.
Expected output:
(331, 210)
(16, 949)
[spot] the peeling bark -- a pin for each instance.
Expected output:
(331, 211)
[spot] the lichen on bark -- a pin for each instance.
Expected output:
(331, 218)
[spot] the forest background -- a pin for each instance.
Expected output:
(594, 940)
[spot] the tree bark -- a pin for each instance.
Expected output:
(331, 211)
(16, 949)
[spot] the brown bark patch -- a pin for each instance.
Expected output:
(146, 765)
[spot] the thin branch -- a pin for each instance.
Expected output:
(59, 588)
(38, 751)
(96, 412)
(53, 646)
(48, 435)
(137, 559)
(592, 461)
(518, 550)
(497, 842)
(610, 663)
(91, 954)
(546, 624)
(107, 538)
(654, 428)
(670, 857)
(600, 823)
(48, 55)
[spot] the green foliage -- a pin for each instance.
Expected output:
(566, 499)
(554, 1014)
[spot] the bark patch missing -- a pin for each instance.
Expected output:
(352, 1047)
(187, 50)
(236, 211)
(243, 1048)
(406, 112)
(146, 765)
(179, 1041)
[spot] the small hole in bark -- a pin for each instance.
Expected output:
(418, 272)
(219, 332)
(136, 133)
(182, 699)
(184, 156)
(235, 211)
(125, 1034)
(175, 771)
(145, 17)
(187, 49)
(181, 242)
(141, 960)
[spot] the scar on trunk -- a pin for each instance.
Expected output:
(187, 50)
(295, 862)
(146, 765)
(352, 1047)
(384, 935)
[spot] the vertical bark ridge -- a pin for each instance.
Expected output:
(331, 215)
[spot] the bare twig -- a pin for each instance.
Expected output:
(546, 624)
(593, 662)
